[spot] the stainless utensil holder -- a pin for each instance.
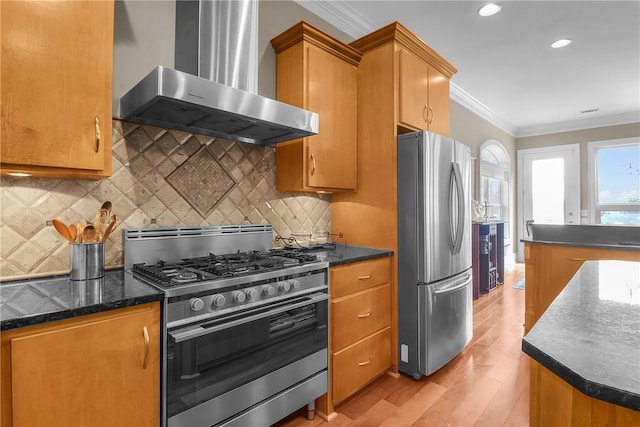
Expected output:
(87, 261)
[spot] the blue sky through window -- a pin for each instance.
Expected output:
(619, 174)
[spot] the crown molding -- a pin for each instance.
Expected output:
(463, 98)
(340, 15)
(580, 124)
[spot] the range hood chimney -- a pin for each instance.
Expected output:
(213, 89)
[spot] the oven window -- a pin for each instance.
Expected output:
(205, 367)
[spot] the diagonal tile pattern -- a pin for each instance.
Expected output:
(160, 178)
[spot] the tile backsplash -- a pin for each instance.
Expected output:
(160, 178)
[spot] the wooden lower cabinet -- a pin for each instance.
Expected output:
(96, 370)
(360, 328)
(554, 402)
(548, 269)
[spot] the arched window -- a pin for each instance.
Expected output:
(495, 167)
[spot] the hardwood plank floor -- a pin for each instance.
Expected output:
(487, 385)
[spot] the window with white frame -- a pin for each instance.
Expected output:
(614, 181)
(495, 165)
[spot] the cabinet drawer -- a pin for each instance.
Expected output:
(355, 366)
(359, 315)
(346, 279)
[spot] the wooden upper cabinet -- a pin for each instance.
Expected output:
(423, 95)
(422, 81)
(56, 84)
(318, 73)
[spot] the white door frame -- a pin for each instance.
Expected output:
(575, 158)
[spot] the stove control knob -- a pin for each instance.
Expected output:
(196, 304)
(295, 284)
(284, 286)
(268, 290)
(251, 293)
(218, 300)
(239, 296)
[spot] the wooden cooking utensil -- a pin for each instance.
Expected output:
(89, 234)
(80, 229)
(62, 229)
(110, 227)
(73, 232)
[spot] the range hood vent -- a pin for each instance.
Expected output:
(212, 91)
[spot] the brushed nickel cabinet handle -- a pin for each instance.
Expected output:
(98, 134)
(368, 276)
(313, 165)
(145, 362)
(430, 116)
(363, 315)
(577, 259)
(425, 113)
(366, 362)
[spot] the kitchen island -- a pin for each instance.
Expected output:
(554, 253)
(585, 350)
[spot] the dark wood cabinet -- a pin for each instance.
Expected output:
(487, 256)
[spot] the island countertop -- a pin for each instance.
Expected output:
(590, 335)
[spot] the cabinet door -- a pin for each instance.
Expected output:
(56, 84)
(332, 93)
(414, 82)
(438, 102)
(101, 373)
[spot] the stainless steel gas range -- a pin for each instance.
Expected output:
(244, 328)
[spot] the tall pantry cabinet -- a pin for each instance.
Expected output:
(395, 95)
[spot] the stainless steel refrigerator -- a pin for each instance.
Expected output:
(434, 251)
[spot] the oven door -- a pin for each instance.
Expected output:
(221, 368)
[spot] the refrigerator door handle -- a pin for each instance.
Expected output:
(453, 239)
(456, 222)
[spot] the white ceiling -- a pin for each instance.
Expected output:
(507, 72)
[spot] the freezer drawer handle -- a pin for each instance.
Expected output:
(368, 276)
(363, 315)
(366, 362)
(452, 289)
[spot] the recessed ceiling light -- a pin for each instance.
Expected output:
(561, 43)
(489, 9)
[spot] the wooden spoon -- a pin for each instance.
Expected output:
(89, 234)
(110, 227)
(73, 232)
(80, 228)
(62, 229)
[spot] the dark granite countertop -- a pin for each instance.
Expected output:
(34, 301)
(345, 254)
(617, 237)
(590, 335)
(613, 246)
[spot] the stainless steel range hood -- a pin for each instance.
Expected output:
(212, 90)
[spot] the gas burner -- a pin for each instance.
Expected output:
(183, 277)
(213, 266)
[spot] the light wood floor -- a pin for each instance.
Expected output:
(487, 385)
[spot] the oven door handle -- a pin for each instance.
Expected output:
(197, 331)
